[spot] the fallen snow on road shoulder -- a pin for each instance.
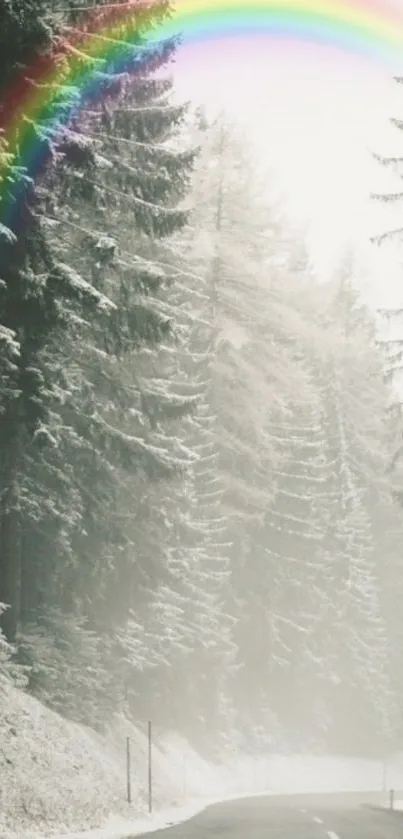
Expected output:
(118, 828)
(397, 805)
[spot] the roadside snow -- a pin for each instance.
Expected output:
(122, 829)
(59, 780)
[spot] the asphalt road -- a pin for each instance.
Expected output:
(335, 816)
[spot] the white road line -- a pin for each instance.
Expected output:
(317, 820)
(332, 835)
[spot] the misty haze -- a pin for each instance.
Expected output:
(201, 426)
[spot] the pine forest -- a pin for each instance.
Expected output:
(201, 473)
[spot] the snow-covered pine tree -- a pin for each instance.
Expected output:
(196, 550)
(354, 401)
(294, 598)
(105, 399)
(390, 318)
(36, 296)
(251, 376)
(390, 336)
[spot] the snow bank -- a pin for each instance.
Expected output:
(118, 828)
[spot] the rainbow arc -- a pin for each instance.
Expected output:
(108, 35)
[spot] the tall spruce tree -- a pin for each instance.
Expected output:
(35, 297)
(72, 495)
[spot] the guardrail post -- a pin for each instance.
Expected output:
(128, 771)
(150, 775)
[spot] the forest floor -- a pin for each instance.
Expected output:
(58, 778)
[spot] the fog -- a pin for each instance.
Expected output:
(201, 475)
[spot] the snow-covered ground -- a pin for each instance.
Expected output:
(291, 774)
(58, 779)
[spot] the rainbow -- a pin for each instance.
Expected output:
(369, 29)
(372, 29)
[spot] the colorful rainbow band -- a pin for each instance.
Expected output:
(371, 29)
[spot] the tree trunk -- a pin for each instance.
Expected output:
(30, 595)
(10, 568)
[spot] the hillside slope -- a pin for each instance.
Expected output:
(56, 775)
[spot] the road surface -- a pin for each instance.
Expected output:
(335, 816)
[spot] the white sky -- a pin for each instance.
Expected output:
(313, 114)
